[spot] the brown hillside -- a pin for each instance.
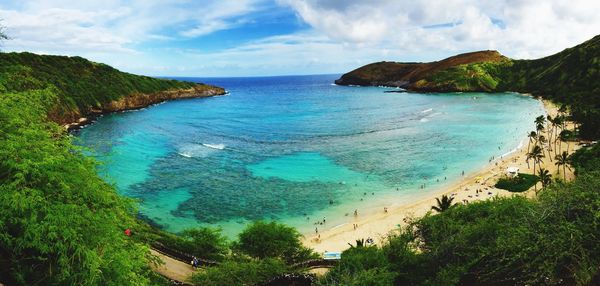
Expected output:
(402, 74)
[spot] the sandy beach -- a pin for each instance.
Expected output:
(378, 226)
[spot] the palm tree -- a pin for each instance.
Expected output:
(562, 109)
(539, 123)
(549, 127)
(559, 123)
(536, 154)
(555, 123)
(545, 177)
(540, 119)
(542, 140)
(532, 138)
(444, 204)
(565, 136)
(563, 160)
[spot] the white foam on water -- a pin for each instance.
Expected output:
(184, 154)
(427, 110)
(214, 146)
(191, 150)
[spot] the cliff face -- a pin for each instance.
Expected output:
(405, 75)
(73, 118)
(139, 100)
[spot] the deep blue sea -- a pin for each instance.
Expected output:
(297, 149)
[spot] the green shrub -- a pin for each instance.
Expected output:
(360, 266)
(206, 243)
(250, 272)
(518, 184)
(261, 240)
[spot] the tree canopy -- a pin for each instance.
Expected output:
(60, 222)
(271, 239)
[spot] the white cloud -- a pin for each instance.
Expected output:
(69, 27)
(529, 29)
(342, 34)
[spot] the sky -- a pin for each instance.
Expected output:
(206, 38)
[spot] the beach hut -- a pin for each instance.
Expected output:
(512, 171)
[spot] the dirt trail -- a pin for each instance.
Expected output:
(173, 269)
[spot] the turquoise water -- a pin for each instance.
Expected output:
(297, 149)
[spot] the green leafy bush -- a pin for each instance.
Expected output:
(245, 272)
(518, 184)
(270, 239)
(360, 266)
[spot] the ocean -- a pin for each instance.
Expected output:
(299, 149)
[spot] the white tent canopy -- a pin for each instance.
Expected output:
(512, 171)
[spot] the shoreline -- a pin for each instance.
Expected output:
(135, 102)
(378, 225)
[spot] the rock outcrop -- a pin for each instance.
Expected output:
(76, 118)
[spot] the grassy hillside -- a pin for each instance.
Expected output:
(80, 85)
(403, 74)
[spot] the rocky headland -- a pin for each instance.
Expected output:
(75, 119)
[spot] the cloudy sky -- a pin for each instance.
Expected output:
(276, 37)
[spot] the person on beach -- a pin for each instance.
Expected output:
(356, 212)
(316, 230)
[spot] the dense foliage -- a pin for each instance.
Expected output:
(270, 239)
(518, 184)
(241, 272)
(586, 159)
(203, 242)
(262, 251)
(60, 223)
(80, 84)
